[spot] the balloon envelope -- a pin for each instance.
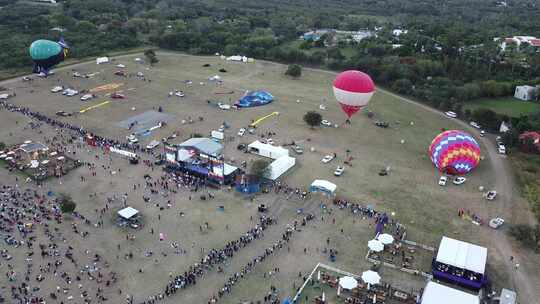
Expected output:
(47, 53)
(353, 90)
(455, 152)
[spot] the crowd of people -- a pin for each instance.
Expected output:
(30, 220)
(213, 259)
(246, 269)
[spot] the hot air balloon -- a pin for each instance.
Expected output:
(46, 54)
(454, 152)
(353, 90)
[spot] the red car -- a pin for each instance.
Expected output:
(120, 73)
(117, 96)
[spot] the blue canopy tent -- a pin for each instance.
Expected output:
(254, 99)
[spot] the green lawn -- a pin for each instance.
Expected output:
(509, 106)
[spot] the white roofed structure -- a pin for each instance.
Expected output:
(128, 213)
(435, 293)
(267, 150)
(101, 60)
(462, 255)
(323, 185)
(280, 166)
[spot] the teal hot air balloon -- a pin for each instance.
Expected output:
(46, 54)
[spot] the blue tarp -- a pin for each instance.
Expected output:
(255, 98)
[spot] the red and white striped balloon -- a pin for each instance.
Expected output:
(353, 90)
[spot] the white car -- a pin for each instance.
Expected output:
(459, 180)
(327, 158)
(496, 222)
(57, 89)
(326, 123)
(132, 139)
(223, 106)
(140, 74)
(70, 92)
(490, 195)
(221, 128)
(475, 124)
(180, 94)
(501, 149)
(443, 180)
(86, 97)
(241, 132)
(120, 66)
(482, 133)
(339, 171)
(76, 74)
(451, 114)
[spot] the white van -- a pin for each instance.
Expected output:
(152, 144)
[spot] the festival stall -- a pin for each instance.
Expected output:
(461, 263)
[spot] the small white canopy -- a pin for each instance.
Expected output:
(101, 60)
(462, 255)
(386, 238)
(348, 283)
(323, 185)
(375, 245)
(439, 294)
(371, 277)
(128, 212)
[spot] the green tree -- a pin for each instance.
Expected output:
(313, 119)
(67, 205)
(260, 168)
(151, 56)
(294, 70)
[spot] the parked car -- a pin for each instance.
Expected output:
(179, 94)
(117, 96)
(298, 150)
(241, 146)
(498, 139)
(475, 124)
(63, 113)
(120, 65)
(70, 92)
(459, 180)
(490, 195)
(451, 114)
(326, 123)
(224, 106)
(120, 73)
(26, 78)
(501, 149)
(327, 158)
(482, 133)
(132, 139)
(339, 171)
(242, 131)
(496, 222)
(57, 89)
(86, 97)
(382, 124)
(443, 180)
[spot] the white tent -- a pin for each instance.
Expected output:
(371, 277)
(280, 166)
(322, 185)
(375, 245)
(386, 238)
(348, 283)
(267, 150)
(435, 293)
(101, 60)
(462, 255)
(235, 58)
(128, 212)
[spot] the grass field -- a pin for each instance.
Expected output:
(410, 190)
(507, 106)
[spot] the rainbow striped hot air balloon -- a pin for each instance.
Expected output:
(454, 152)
